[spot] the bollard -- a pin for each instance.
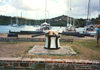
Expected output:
(52, 40)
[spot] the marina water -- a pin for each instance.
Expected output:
(6, 28)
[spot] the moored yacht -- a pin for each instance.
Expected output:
(90, 30)
(70, 28)
(45, 26)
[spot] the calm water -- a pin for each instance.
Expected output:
(6, 28)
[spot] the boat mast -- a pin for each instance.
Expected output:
(21, 17)
(99, 5)
(99, 2)
(45, 10)
(11, 21)
(70, 11)
(16, 20)
(21, 14)
(88, 12)
(67, 12)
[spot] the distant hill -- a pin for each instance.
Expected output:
(56, 21)
(60, 20)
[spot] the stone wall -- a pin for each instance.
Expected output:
(30, 40)
(47, 64)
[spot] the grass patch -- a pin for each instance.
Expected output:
(28, 49)
(92, 44)
(85, 49)
(55, 54)
(66, 36)
(76, 50)
(95, 57)
(13, 42)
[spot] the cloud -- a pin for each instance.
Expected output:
(28, 4)
(7, 9)
(36, 8)
(54, 7)
(80, 8)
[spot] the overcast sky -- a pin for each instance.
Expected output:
(35, 9)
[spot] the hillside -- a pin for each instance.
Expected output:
(57, 21)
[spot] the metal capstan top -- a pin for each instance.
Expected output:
(45, 23)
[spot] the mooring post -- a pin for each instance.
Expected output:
(52, 40)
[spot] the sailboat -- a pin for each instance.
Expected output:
(45, 26)
(70, 23)
(89, 29)
(70, 27)
(14, 24)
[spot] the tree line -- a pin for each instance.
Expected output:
(57, 21)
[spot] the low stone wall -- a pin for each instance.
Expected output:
(24, 36)
(47, 64)
(3, 35)
(30, 40)
(22, 39)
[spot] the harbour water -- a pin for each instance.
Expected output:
(6, 28)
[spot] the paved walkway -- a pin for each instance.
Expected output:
(40, 50)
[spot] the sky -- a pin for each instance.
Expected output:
(35, 9)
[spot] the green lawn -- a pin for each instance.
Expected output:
(92, 44)
(85, 49)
